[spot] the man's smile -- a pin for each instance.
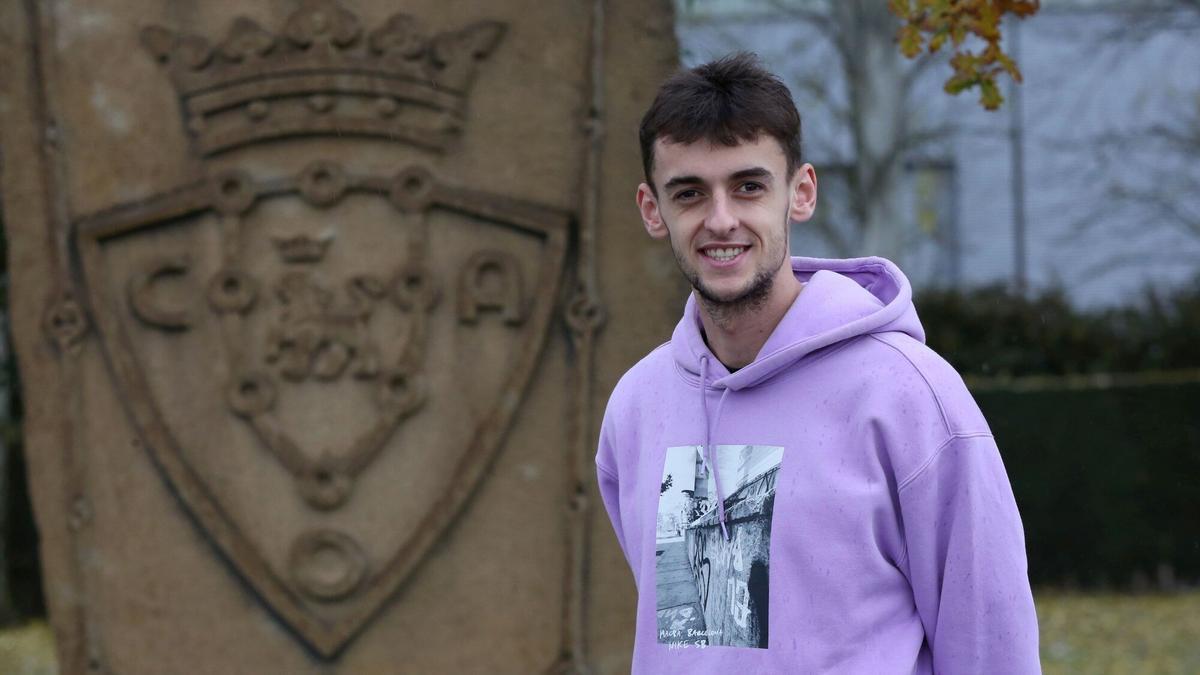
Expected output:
(723, 254)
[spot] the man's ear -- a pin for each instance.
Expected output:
(651, 217)
(803, 199)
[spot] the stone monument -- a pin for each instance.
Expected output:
(316, 305)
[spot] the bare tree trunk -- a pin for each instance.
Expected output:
(874, 73)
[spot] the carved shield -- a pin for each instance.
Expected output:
(409, 310)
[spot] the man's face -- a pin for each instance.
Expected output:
(726, 212)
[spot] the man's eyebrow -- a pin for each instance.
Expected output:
(756, 172)
(682, 180)
(753, 172)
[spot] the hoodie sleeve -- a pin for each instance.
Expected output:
(966, 561)
(610, 487)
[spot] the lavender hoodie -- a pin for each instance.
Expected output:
(836, 506)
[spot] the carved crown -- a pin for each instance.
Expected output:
(302, 248)
(319, 75)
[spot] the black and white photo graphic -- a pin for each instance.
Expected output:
(712, 590)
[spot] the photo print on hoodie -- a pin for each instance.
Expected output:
(712, 582)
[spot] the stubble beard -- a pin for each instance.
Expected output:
(724, 310)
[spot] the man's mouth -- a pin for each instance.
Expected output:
(723, 254)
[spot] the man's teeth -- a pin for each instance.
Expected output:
(724, 254)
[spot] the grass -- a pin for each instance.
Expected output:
(1099, 634)
(1082, 634)
(27, 650)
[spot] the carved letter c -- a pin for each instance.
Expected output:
(141, 294)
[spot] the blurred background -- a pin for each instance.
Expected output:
(1054, 243)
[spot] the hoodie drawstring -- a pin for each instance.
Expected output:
(708, 449)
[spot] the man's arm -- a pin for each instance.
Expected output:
(610, 487)
(966, 561)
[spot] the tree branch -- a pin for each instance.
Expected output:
(818, 19)
(906, 143)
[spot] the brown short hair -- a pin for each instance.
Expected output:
(727, 101)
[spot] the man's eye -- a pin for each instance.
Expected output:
(750, 187)
(686, 195)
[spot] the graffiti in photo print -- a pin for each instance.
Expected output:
(712, 591)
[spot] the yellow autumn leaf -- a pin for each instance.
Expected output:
(989, 93)
(910, 41)
(936, 42)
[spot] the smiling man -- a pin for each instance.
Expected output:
(798, 483)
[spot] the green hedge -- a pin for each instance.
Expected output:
(991, 331)
(1107, 480)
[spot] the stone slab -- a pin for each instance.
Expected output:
(296, 308)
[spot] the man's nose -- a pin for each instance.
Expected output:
(721, 218)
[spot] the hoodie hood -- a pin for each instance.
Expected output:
(841, 299)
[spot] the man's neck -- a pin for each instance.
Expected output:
(736, 334)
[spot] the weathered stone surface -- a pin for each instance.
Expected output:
(309, 305)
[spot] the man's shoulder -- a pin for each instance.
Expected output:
(921, 358)
(637, 396)
(650, 369)
(916, 370)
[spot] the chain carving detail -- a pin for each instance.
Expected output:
(65, 323)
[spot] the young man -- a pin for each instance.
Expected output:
(798, 483)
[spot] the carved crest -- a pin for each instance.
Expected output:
(350, 345)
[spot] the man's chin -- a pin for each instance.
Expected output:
(719, 297)
(748, 295)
